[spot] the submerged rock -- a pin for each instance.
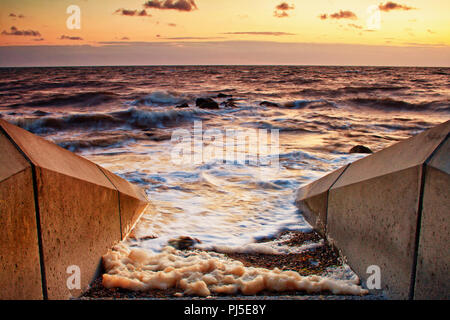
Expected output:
(223, 95)
(158, 135)
(206, 103)
(229, 103)
(40, 113)
(360, 149)
(269, 104)
(183, 105)
(183, 242)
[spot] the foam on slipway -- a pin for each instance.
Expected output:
(203, 273)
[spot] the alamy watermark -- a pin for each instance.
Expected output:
(373, 22)
(254, 147)
(74, 20)
(374, 280)
(74, 280)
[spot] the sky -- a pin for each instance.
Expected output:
(177, 32)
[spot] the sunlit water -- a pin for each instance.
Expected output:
(110, 115)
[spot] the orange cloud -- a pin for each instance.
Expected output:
(388, 6)
(339, 15)
(281, 10)
(16, 32)
(180, 5)
(132, 13)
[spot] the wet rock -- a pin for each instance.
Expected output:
(158, 136)
(206, 103)
(360, 149)
(40, 113)
(229, 103)
(269, 104)
(183, 242)
(183, 105)
(223, 95)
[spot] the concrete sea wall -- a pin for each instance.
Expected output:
(391, 210)
(57, 211)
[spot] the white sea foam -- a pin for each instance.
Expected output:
(203, 273)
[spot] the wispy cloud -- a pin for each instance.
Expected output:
(261, 33)
(180, 5)
(13, 15)
(193, 38)
(281, 10)
(16, 32)
(388, 6)
(64, 37)
(132, 13)
(356, 26)
(342, 14)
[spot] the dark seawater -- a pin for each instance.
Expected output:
(123, 118)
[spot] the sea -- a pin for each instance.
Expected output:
(225, 176)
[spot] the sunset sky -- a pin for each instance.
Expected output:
(410, 32)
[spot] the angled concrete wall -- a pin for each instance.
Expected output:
(76, 210)
(20, 276)
(374, 214)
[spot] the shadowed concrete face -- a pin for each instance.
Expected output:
(20, 276)
(375, 214)
(373, 222)
(312, 200)
(433, 264)
(132, 201)
(77, 209)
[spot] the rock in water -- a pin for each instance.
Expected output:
(184, 105)
(269, 104)
(229, 103)
(206, 103)
(223, 95)
(40, 113)
(360, 149)
(183, 242)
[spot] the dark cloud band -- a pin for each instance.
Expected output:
(388, 6)
(180, 5)
(342, 14)
(16, 32)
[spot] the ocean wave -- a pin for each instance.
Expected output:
(85, 99)
(392, 104)
(160, 98)
(131, 118)
(298, 104)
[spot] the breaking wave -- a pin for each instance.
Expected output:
(131, 118)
